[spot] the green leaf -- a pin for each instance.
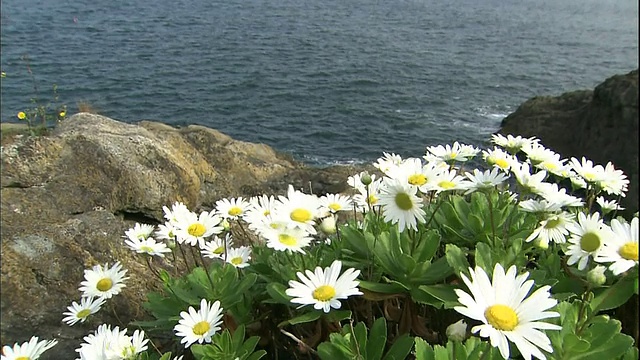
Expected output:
(329, 351)
(377, 339)
(338, 315)
(304, 318)
(613, 296)
(457, 259)
(483, 258)
(442, 292)
(423, 350)
(392, 288)
(422, 297)
(400, 348)
(436, 272)
(277, 292)
(573, 344)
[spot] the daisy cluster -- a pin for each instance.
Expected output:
(286, 224)
(292, 223)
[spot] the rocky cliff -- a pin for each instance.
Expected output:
(67, 199)
(600, 124)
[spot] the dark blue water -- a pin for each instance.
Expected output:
(325, 80)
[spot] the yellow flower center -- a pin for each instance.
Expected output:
(301, 215)
(590, 242)
(201, 328)
(196, 230)
(502, 163)
(219, 250)
(453, 155)
(23, 358)
(288, 240)
(236, 260)
(446, 184)
(147, 249)
(335, 207)
(324, 293)
(501, 317)
(266, 213)
(629, 251)
(83, 313)
(552, 223)
(104, 284)
(235, 211)
(403, 200)
(372, 200)
(22, 115)
(589, 176)
(549, 165)
(417, 179)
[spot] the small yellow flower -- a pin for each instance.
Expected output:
(62, 114)
(22, 115)
(3, 74)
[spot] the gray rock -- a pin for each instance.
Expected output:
(68, 197)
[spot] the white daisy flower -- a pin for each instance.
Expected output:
(260, 210)
(588, 235)
(148, 246)
(499, 158)
(539, 206)
(355, 181)
(215, 248)
(332, 203)
(559, 196)
(178, 210)
(614, 181)
(324, 288)
(199, 326)
(484, 180)
(450, 153)
(166, 231)
(554, 165)
(510, 143)
(368, 196)
(414, 173)
(448, 181)
(387, 162)
(80, 312)
(506, 315)
(106, 343)
(193, 229)
(239, 257)
(400, 205)
(287, 238)
(103, 282)
(232, 208)
(608, 206)
(585, 168)
(553, 228)
(536, 153)
(622, 248)
(30, 350)
(532, 183)
(139, 232)
(299, 208)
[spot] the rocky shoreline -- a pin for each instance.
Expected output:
(68, 197)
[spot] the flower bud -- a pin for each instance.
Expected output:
(328, 225)
(542, 243)
(171, 244)
(365, 178)
(225, 224)
(596, 276)
(457, 331)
